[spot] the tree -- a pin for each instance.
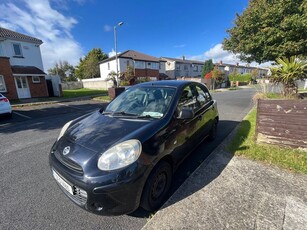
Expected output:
(129, 74)
(269, 29)
(255, 73)
(208, 67)
(216, 75)
(65, 70)
(287, 72)
(89, 65)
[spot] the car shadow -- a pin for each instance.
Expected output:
(205, 174)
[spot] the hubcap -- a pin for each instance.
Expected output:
(159, 186)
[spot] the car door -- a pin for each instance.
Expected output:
(181, 131)
(204, 110)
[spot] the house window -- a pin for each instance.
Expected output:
(108, 66)
(128, 63)
(185, 67)
(17, 49)
(139, 64)
(154, 65)
(177, 67)
(36, 79)
(195, 68)
(2, 84)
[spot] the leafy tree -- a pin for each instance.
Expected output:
(255, 73)
(89, 65)
(217, 76)
(129, 74)
(65, 70)
(208, 67)
(287, 72)
(269, 29)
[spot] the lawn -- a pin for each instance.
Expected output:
(244, 144)
(82, 92)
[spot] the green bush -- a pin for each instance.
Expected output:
(247, 77)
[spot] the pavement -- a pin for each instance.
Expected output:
(232, 192)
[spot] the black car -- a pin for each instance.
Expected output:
(116, 159)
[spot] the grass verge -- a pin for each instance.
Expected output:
(244, 144)
(82, 92)
(102, 98)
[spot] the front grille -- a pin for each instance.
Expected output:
(79, 197)
(68, 163)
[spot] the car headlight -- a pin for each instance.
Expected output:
(120, 155)
(63, 130)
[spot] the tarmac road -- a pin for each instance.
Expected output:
(30, 199)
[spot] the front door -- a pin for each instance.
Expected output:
(22, 87)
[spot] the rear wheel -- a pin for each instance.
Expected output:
(157, 186)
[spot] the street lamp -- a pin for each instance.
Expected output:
(115, 44)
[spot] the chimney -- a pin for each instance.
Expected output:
(221, 62)
(183, 57)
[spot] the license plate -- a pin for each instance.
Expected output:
(62, 182)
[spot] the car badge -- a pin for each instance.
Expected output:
(66, 150)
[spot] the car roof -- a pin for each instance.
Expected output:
(165, 83)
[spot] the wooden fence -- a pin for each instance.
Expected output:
(282, 122)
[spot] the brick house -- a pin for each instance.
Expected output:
(21, 66)
(144, 65)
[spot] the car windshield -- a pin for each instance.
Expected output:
(142, 102)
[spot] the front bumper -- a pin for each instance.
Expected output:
(106, 194)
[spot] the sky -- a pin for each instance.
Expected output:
(161, 28)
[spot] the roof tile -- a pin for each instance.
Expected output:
(9, 34)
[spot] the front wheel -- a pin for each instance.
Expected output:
(157, 187)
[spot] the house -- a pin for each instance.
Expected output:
(176, 68)
(143, 65)
(21, 66)
(241, 69)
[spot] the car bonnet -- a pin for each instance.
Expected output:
(98, 132)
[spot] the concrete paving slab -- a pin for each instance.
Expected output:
(230, 192)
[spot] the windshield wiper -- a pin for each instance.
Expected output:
(123, 113)
(146, 116)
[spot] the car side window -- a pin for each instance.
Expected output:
(187, 99)
(203, 95)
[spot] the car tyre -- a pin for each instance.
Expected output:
(213, 131)
(8, 115)
(157, 187)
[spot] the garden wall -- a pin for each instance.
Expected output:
(96, 83)
(282, 122)
(72, 85)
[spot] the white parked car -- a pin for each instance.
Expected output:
(5, 106)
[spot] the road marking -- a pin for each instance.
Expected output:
(69, 106)
(22, 115)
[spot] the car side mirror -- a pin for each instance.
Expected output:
(185, 113)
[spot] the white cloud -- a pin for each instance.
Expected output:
(38, 19)
(112, 53)
(217, 54)
(107, 28)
